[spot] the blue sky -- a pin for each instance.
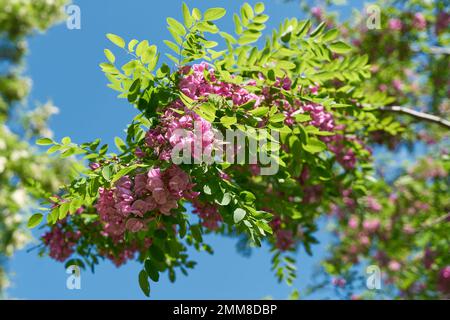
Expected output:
(64, 67)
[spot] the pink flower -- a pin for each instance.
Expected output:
(140, 184)
(442, 22)
(94, 165)
(284, 239)
(154, 179)
(339, 282)
(373, 204)
(208, 213)
(444, 280)
(139, 207)
(397, 84)
(353, 222)
(60, 242)
(134, 225)
(372, 225)
(316, 12)
(395, 24)
(394, 265)
(160, 195)
(139, 153)
(419, 21)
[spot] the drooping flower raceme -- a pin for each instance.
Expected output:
(125, 206)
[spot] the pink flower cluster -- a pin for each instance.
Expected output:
(373, 204)
(317, 13)
(195, 85)
(344, 155)
(124, 251)
(284, 238)
(208, 213)
(187, 130)
(61, 243)
(419, 21)
(339, 282)
(442, 22)
(124, 206)
(444, 280)
(395, 24)
(197, 82)
(320, 117)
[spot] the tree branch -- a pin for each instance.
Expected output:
(434, 50)
(417, 114)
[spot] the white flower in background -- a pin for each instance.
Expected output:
(3, 161)
(19, 196)
(19, 154)
(20, 239)
(2, 144)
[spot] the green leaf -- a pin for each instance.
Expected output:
(238, 215)
(330, 35)
(141, 47)
(314, 146)
(151, 271)
(278, 117)
(186, 100)
(248, 197)
(258, 112)
(123, 172)
(196, 233)
(259, 8)
(35, 220)
(53, 149)
(52, 217)
(301, 117)
(120, 144)
(249, 38)
(228, 121)
(156, 253)
(66, 140)
(318, 30)
(144, 283)
(214, 14)
(303, 28)
(118, 41)
(44, 141)
(132, 44)
(176, 26)
(106, 173)
(172, 46)
(63, 210)
(187, 15)
(247, 11)
(237, 24)
(207, 111)
(339, 47)
(225, 200)
(110, 56)
(75, 262)
(196, 14)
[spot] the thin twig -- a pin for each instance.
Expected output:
(435, 50)
(417, 114)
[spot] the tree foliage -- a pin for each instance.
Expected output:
(25, 174)
(304, 82)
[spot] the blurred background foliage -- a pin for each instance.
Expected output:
(26, 174)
